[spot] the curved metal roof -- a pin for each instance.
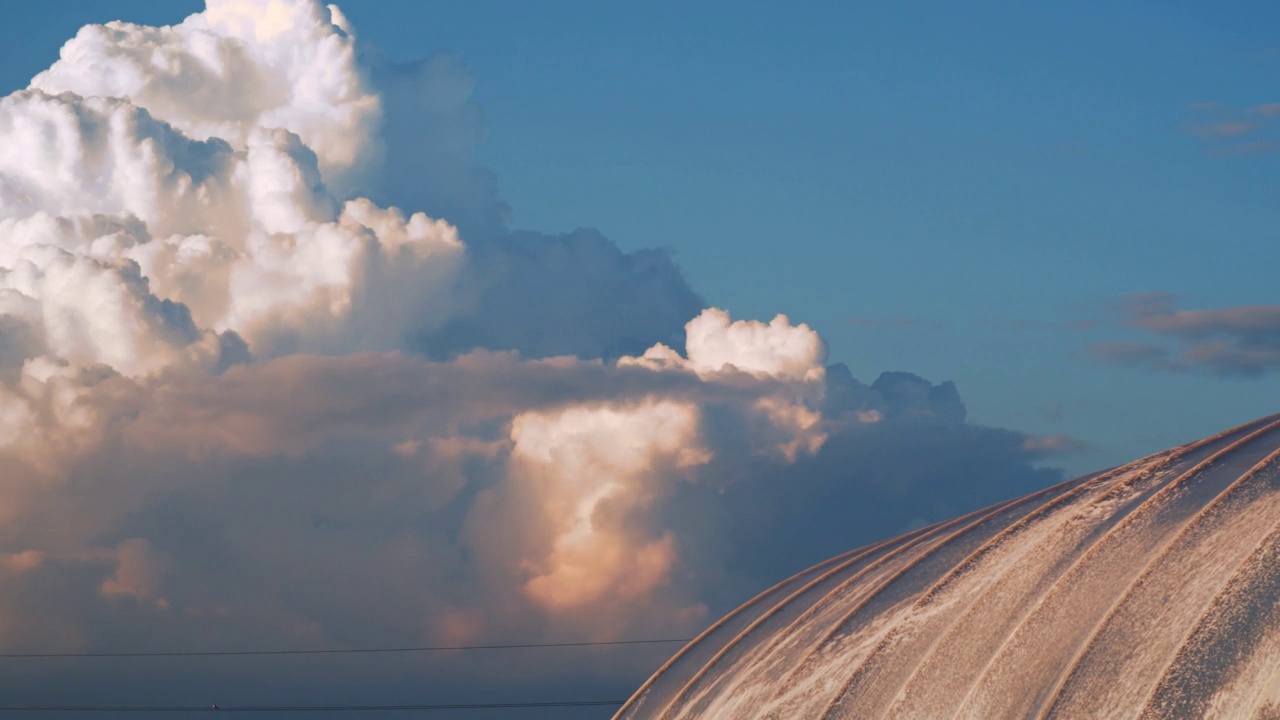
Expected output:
(1151, 590)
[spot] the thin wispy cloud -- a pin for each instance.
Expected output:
(1253, 148)
(1233, 341)
(1229, 125)
(1224, 129)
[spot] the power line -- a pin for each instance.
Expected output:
(303, 708)
(332, 651)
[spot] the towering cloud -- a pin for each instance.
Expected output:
(244, 399)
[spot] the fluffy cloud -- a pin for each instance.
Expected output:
(245, 399)
(232, 70)
(1235, 341)
(580, 461)
(717, 344)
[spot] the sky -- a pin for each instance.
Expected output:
(238, 390)
(950, 192)
(987, 176)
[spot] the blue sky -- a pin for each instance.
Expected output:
(991, 175)
(933, 188)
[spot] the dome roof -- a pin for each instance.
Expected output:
(1148, 590)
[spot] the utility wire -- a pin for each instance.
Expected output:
(334, 651)
(302, 708)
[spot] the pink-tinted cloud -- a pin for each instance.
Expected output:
(1225, 128)
(248, 401)
(1224, 132)
(1234, 341)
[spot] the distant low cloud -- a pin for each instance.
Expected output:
(1234, 341)
(1223, 128)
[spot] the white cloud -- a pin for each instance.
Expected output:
(717, 346)
(248, 240)
(225, 73)
(216, 402)
(716, 343)
(591, 468)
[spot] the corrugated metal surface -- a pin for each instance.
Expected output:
(1151, 590)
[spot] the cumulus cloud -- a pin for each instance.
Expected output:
(1234, 341)
(581, 460)
(232, 70)
(257, 386)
